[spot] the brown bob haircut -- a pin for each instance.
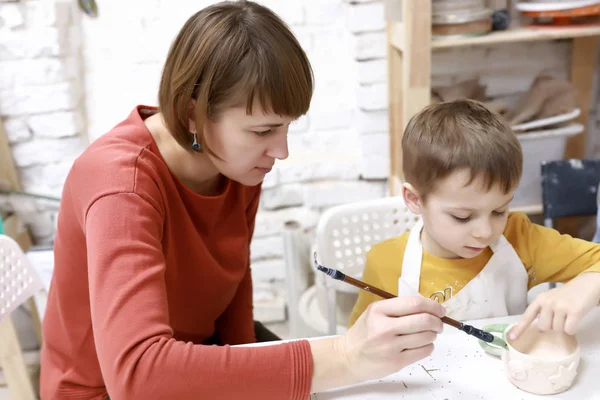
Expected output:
(462, 134)
(231, 54)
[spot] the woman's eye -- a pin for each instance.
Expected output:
(263, 133)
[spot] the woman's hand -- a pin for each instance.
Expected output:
(388, 336)
(562, 308)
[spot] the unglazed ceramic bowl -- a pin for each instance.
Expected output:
(537, 362)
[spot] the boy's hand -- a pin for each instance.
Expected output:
(562, 308)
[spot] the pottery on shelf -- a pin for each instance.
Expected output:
(451, 18)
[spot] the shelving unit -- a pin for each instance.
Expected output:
(509, 36)
(409, 50)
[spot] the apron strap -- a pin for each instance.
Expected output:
(408, 284)
(499, 243)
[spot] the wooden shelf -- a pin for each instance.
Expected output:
(532, 209)
(527, 34)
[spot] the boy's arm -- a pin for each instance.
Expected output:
(549, 255)
(558, 258)
(371, 276)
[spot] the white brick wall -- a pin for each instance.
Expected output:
(366, 17)
(40, 100)
(339, 152)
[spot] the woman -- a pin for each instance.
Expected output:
(152, 248)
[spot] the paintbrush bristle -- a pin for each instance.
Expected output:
(499, 342)
(334, 273)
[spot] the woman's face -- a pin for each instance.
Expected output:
(248, 144)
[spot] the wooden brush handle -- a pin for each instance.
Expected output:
(386, 295)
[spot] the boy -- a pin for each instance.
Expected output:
(462, 164)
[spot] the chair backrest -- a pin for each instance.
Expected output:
(570, 187)
(345, 233)
(18, 279)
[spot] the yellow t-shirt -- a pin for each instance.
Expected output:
(547, 256)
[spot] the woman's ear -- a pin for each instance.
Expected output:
(411, 198)
(192, 118)
(192, 126)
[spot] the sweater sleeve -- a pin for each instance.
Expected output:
(548, 255)
(138, 355)
(236, 325)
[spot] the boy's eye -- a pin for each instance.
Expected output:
(263, 133)
(460, 219)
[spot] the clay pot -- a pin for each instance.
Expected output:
(537, 362)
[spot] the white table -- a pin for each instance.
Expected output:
(459, 369)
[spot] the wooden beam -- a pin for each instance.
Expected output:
(416, 71)
(13, 364)
(14, 229)
(409, 77)
(584, 52)
(9, 179)
(32, 361)
(395, 112)
(8, 172)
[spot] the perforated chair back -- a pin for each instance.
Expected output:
(345, 233)
(18, 279)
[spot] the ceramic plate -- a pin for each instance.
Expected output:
(547, 121)
(553, 6)
(569, 130)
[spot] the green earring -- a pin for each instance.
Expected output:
(195, 145)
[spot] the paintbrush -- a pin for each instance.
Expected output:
(340, 276)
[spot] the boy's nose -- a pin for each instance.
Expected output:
(483, 230)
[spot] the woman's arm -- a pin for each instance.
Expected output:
(138, 355)
(236, 325)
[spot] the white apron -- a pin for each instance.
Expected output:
(499, 290)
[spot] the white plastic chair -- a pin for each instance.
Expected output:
(18, 282)
(345, 234)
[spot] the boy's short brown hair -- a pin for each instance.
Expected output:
(462, 134)
(232, 54)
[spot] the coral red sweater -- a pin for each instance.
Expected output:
(145, 272)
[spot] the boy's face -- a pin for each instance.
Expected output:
(460, 220)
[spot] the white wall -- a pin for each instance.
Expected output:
(65, 77)
(41, 99)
